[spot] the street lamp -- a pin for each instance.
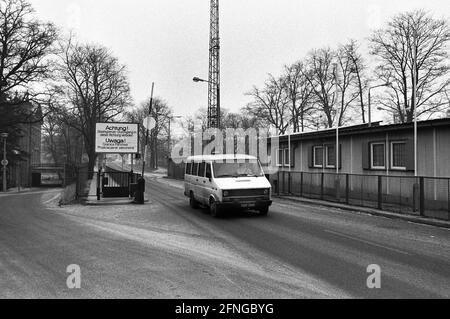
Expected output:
(197, 80)
(4, 136)
(414, 100)
(370, 99)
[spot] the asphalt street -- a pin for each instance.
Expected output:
(165, 249)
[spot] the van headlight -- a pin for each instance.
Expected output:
(266, 191)
(226, 193)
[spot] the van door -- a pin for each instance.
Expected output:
(208, 190)
(201, 181)
(194, 181)
(187, 179)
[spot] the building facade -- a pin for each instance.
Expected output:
(376, 166)
(376, 150)
(30, 147)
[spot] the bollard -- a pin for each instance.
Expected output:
(139, 195)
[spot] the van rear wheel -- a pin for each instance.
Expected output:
(192, 202)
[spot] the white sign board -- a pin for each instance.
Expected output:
(117, 138)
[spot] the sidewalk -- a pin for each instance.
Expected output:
(370, 211)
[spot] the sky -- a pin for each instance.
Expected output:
(166, 41)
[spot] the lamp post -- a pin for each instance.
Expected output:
(4, 136)
(370, 99)
(414, 99)
(197, 79)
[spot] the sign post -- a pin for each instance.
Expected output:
(147, 122)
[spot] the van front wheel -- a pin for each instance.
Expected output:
(264, 211)
(214, 209)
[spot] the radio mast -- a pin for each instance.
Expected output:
(214, 120)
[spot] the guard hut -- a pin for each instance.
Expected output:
(118, 139)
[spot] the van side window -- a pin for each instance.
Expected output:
(208, 173)
(201, 169)
(189, 169)
(195, 169)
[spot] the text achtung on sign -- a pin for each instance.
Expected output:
(117, 138)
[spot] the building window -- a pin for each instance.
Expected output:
(331, 156)
(378, 157)
(279, 159)
(283, 158)
(398, 155)
(318, 156)
(287, 158)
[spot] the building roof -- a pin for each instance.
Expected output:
(365, 129)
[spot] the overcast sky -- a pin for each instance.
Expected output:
(166, 41)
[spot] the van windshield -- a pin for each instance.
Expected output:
(238, 168)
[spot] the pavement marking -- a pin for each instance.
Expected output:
(368, 242)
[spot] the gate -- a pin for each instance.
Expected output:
(116, 184)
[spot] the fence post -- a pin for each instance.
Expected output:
(301, 185)
(422, 196)
(380, 192)
(347, 189)
(322, 177)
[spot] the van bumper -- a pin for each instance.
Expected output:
(258, 204)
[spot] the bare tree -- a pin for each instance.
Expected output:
(299, 93)
(359, 68)
(346, 82)
(95, 87)
(25, 44)
(395, 46)
(271, 104)
(321, 75)
(161, 112)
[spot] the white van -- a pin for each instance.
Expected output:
(225, 182)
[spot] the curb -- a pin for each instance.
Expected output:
(374, 212)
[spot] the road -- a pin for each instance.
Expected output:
(165, 249)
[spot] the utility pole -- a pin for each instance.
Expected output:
(214, 120)
(414, 100)
(150, 107)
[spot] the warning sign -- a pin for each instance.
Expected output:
(117, 138)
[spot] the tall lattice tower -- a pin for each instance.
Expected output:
(214, 120)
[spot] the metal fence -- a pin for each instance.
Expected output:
(424, 196)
